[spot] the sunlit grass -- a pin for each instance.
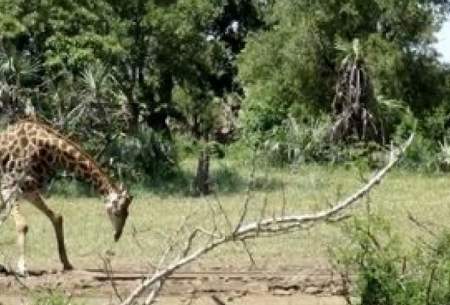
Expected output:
(155, 216)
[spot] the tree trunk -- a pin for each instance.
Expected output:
(202, 185)
(133, 111)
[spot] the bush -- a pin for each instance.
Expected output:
(421, 154)
(145, 155)
(389, 275)
(443, 156)
(295, 142)
(436, 124)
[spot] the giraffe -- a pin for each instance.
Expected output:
(31, 153)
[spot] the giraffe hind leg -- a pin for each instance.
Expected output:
(57, 221)
(21, 229)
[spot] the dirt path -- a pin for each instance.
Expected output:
(215, 286)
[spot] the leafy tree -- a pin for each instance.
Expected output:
(109, 61)
(291, 68)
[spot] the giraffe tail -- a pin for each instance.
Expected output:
(7, 199)
(5, 210)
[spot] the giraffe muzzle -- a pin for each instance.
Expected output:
(117, 235)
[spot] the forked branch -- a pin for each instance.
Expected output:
(273, 226)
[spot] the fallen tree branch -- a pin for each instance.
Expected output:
(264, 227)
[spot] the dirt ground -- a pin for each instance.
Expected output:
(302, 286)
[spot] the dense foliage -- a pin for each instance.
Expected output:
(292, 67)
(134, 76)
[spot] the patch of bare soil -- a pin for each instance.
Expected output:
(215, 286)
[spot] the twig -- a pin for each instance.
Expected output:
(108, 270)
(420, 225)
(249, 253)
(336, 209)
(216, 300)
(244, 211)
(222, 211)
(430, 285)
(19, 280)
(271, 226)
(345, 279)
(283, 208)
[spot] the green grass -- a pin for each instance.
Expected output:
(53, 299)
(156, 215)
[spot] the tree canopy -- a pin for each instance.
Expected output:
(192, 67)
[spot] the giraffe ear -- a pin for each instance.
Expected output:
(128, 202)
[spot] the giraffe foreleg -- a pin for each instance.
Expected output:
(21, 229)
(57, 222)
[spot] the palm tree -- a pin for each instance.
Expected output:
(18, 71)
(354, 105)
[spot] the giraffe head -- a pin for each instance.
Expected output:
(117, 203)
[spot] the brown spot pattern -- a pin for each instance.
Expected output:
(41, 150)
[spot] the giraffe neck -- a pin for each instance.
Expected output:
(75, 160)
(40, 150)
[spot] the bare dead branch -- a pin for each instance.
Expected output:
(154, 293)
(247, 197)
(298, 220)
(249, 253)
(223, 212)
(108, 270)
(264, 227)
(189, 243)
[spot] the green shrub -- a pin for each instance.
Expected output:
(145, 155)
(443, 156)
(421, 155)
(227, 179)
(436, 124)
(295, 142)
(387, 274)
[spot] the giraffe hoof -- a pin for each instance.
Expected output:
(22, 273)
(3, 269)
(22, 270)
(67, 267)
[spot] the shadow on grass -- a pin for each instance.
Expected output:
(229, 180)
(178, 182)
(224, 180)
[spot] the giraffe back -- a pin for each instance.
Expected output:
(35, 151)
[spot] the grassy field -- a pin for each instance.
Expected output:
(156, 215)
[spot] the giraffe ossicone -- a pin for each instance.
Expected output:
(31, 153)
